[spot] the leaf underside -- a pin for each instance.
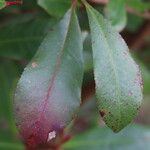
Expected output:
(48, 93)
(117, 77)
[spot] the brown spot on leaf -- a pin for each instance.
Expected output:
(103, 112)
(138, 108)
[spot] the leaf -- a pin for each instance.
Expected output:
(55, 8)
(87, 53)
(8, 75)
(133, 138)
(134, 23)
(2, 4)
(116, 13)
(9, 72)
(138, 5)
(18, 43)
(11, 146)
(48, 93)
(146, 79)
(117, 76)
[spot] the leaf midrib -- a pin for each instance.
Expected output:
(57, 66)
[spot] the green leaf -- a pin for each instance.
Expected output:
(134, 23)
(18, 43)
(116, 13)
(133, 138)
(146, 78)
(8, 76)
(2, 4)
(87, 53)
(118, 78)
(138, 5)
(9, 73)
(48, 93)
(55, 8)
(11, 146)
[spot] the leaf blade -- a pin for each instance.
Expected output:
(55, 8)
(116, 13)
(138, 5)
(53, 78)
(118, 86)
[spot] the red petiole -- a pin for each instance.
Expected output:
(10, 3)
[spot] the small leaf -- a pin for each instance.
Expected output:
(138, 5)
(134, 23)
(48, 93)
(116, 13)
(133, 138)
(118, 78)
(55, 8)
(2, 4)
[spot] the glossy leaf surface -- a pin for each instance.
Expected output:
(48, 93)
(117, 76)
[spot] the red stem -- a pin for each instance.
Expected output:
(74, 3)
(13, 3)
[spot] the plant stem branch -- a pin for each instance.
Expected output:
(74, 3)
(10, 3)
